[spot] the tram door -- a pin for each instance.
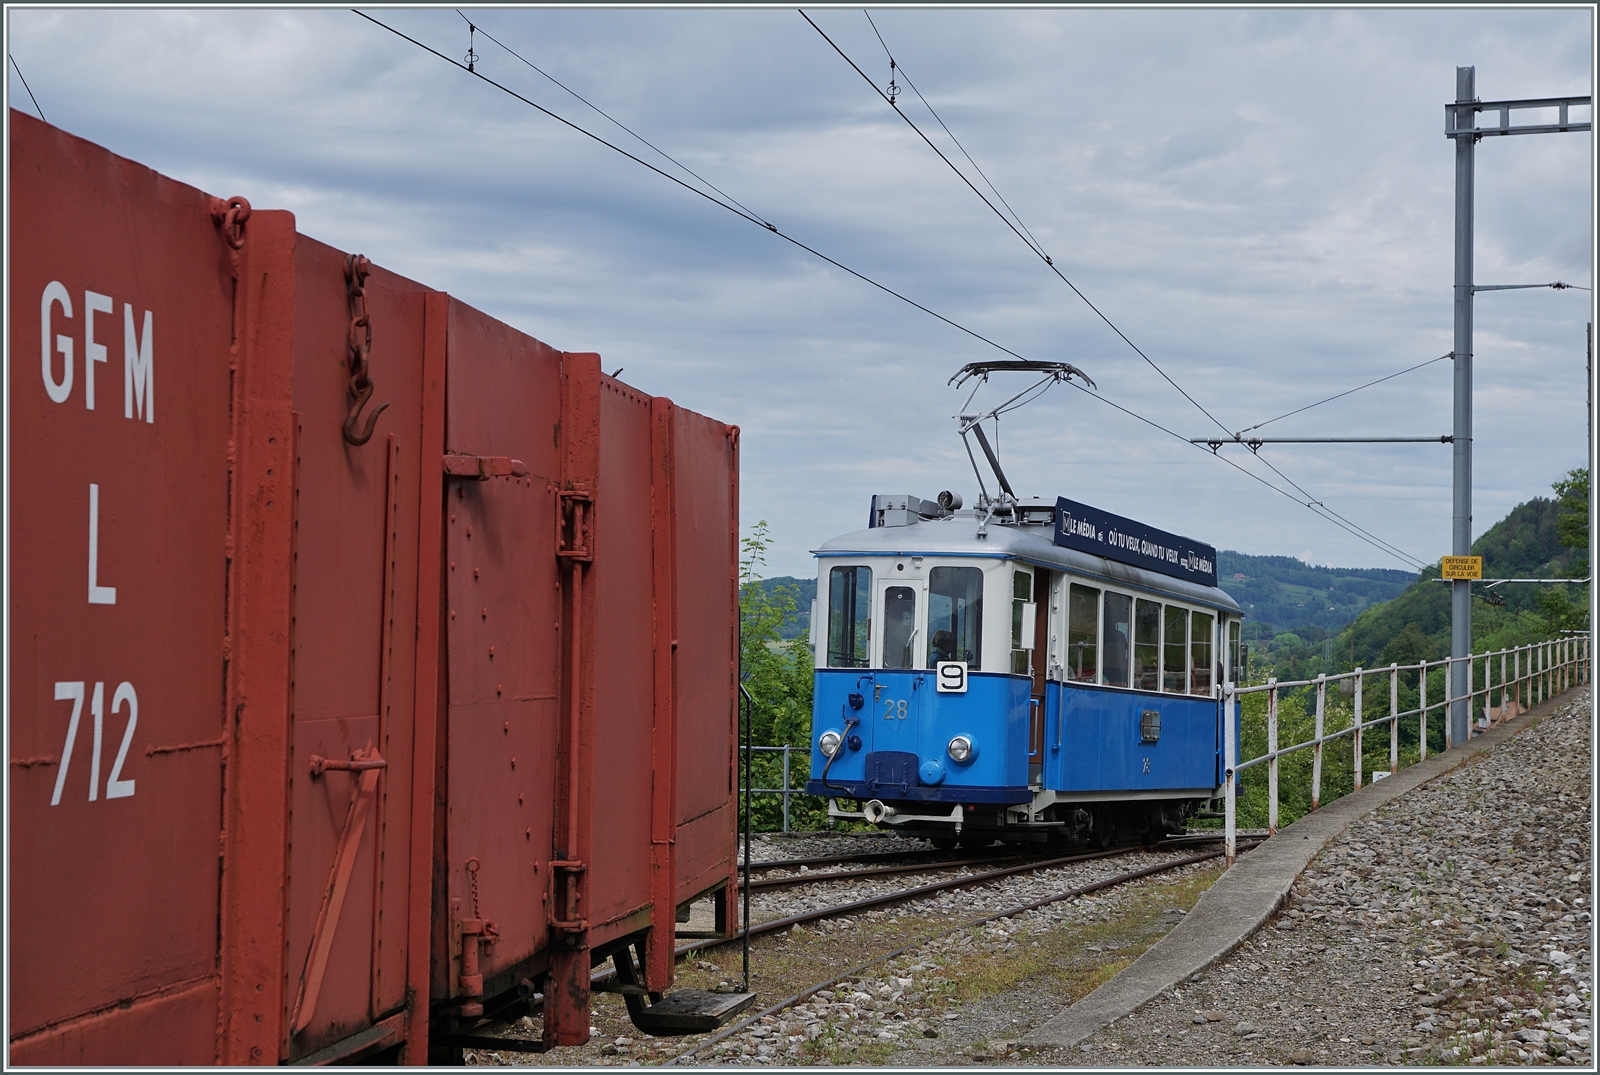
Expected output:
(896, 702)
(1033, 589)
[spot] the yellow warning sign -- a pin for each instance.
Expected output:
(1461, 567)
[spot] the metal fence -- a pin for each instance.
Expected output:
(1527, 676)
(786, 790)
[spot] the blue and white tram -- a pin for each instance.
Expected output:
(1049, 671)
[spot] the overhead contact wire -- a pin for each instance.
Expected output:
(1311, 501)
(773, 228)
(750, 212)
(1341, 395)
(1038, 252)
(1038, 246)
(25, 86)
(752, 218)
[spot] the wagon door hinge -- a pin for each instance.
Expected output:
(575, 525)
(567, 913)
(483, 467)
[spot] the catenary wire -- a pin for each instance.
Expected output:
(25, 86)
(1311, 501)
(773, 228)
(1341, 395)
(1037, 251)
(752, 213)
(1311, 504)
(1038, 246)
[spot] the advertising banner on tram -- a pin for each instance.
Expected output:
(1088, 529)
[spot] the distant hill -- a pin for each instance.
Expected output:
(1415, 625)
(1280, 593)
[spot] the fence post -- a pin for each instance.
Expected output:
(1394, 718)
(1272, 756)
(1472, 718)
(1449, 725)
(1229, 777)
(1356, 736)
(1503, 709)
(1316, 750)
(786, 749)
(1422, 704)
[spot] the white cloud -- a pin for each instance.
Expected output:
(1260, 199)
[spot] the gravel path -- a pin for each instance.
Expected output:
(1451, 926)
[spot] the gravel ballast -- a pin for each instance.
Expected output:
(1451, 926)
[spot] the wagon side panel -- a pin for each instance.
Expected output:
(705, 520)
(121, 306)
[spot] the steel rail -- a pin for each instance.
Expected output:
(870, 902)
(467, 1039)
(833, 860)
(1081, 890)
(797, 880)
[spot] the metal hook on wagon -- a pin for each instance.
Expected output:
(230, 215)
(356, 268)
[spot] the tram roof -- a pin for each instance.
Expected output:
(957, 535)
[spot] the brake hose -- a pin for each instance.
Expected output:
(849, 722)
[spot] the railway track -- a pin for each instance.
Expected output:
(490, 1042)
(1073, 893)
(1026, 859)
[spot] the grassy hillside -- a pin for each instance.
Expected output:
(1280, 593)
(1415, 625)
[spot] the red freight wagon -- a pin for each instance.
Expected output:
(343, 619)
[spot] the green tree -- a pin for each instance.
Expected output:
(1572, 518)
(778, 673)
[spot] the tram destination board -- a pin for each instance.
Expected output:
(1087, 529)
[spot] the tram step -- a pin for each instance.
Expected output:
(691, 1011)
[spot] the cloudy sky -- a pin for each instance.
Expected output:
(1261, 200)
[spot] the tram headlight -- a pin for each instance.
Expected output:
(960, 749)
(828, 744)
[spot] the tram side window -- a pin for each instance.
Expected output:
(955, 615)
(1235, 653)
(849, 599)
(1200, 653)
(1147, 645)
(1083, 610)
(1116, 638)
(1175, 650)
(899, 626)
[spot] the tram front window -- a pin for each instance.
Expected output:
(1147, 645)
(1083, 609)
(955, 615)
(899, 626)
(1116, 638)
(849, 597)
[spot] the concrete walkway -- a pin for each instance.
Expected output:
(1246, 896)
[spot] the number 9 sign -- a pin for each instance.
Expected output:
(951, 677)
